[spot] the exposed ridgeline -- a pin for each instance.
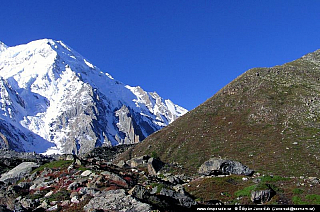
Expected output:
(267, 118)
(54, 100)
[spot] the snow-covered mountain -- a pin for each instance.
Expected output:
(53, 100)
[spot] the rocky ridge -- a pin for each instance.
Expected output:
(92, 182)
(97, 182)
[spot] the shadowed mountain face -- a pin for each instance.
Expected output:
(267, 118)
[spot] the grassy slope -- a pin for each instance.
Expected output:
(267, 118)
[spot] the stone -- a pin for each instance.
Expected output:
(217, 166)
(44, 204)
(114, 177)
(154, 190)
(46, 171)
(65, 203)
(41, 183)
(75, 199)
(49, 194)
(53, 208)
(122, 164)
(69, 157)
(25, 185)
(19, 207)
(138, 161)
(140, 192)
(179, 188)
(74, 186)
(154, 165)
(73, 194)
(262, 196)
(314, 180)
(18, 172)
(183, 199)
(174, 179)
(29, 203)
(86, 173)
(115, 200)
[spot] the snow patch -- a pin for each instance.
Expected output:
(88, 64)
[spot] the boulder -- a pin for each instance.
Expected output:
(262, 196)
(18, 172)
(314, 180)
(115, 178)
(217, 166)
(115, 200)
(183, 199)
(154, 165)
(140, 192)
(73, 186)
(174, 179)
(86, 173)
(89, 191)
(122, 164)
(138, 161)
(29, 203)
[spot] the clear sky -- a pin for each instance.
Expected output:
(185, 50)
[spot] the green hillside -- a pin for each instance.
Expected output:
(267, 118)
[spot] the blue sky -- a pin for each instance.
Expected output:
(184, 50)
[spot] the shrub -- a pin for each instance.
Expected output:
(314, 199)
(297, 201)
(59, 164)
(268, 178)
(246, 192)
(61, 195)
(154, 154)
(297, 191)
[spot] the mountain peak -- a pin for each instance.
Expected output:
(70, 104)
(3, 46)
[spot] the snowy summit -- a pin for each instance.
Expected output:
(53, 100)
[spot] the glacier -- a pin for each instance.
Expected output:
(54, 101)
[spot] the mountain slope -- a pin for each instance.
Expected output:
(267, 118)
(60, 103)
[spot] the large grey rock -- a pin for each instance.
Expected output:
(218, 166)
(116, 200)
(140, 192)
(154, 165)
(183, 199)
(29, 203)
(114, 177)
(18, 172)
(262, 196)
(138, 161)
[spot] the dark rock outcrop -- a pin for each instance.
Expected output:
(138, 161)
(262, 196)
(183, 199)
(154, 165)
(165, 198)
